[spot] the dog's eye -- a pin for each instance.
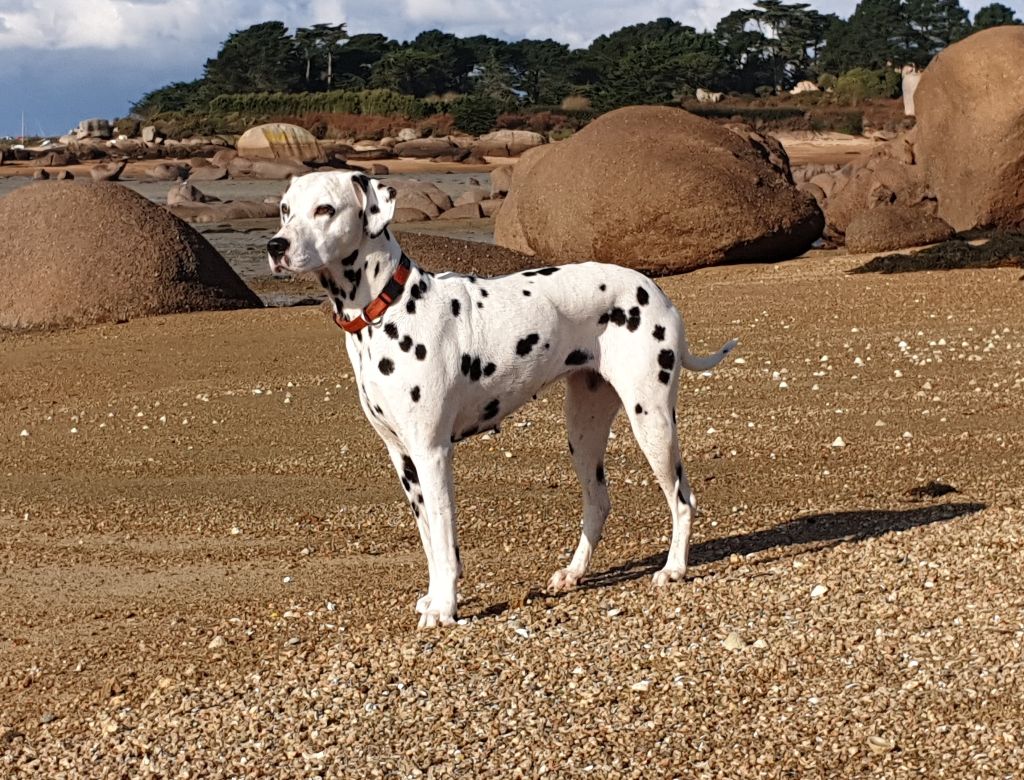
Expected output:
(324, 211)
(284, 209)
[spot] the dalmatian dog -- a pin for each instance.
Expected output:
(441, 357)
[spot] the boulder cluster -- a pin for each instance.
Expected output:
(960, 168)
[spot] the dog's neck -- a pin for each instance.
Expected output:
(353, 281)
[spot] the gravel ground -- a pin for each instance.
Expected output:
(207, 568)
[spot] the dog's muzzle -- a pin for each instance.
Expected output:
(276, 247)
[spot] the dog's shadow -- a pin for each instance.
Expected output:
(803, 534)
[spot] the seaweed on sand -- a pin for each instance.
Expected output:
(1001, 250)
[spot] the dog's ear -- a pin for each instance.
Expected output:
(378, 203)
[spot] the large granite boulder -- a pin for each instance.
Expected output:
(76, 253)
(423, 148)
(279, 141)
(895, 227)
(660, 190)
(507, 143)
(970, 115)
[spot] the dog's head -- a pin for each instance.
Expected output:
(326, 216)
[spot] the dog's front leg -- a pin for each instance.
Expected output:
(433, 473)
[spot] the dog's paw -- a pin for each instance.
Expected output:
(435, 619)
(664, 577)
(433, 613)
(563, 580)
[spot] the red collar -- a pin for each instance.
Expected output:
(375, 309)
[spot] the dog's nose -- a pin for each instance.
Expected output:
(277, 247)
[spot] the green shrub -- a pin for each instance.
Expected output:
(827, 81)
(475, 114)
(861, 84)
(764, 91)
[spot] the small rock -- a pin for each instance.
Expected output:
(877, 744)
(641, 687)
(818, 591)
(838, 442)
(216, 643)
(734, 641)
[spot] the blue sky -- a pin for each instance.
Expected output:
(64, 60)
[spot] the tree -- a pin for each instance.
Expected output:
(412, 72)
(354, 60)
(261, 58)
(994, 15)
(875, 36)
(192, 96)
(932, 26)
(653, 62)
(541, 70)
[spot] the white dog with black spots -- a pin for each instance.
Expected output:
(441, 357)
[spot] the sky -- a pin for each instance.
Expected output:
(66, 60)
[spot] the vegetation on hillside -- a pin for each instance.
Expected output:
(266, 71)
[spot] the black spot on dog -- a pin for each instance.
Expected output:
(391, 330)
(386, 366)
(405, 485)
(362, 180)
(634, 319)
(600, 473)
(491, 410)
(375, 209)
(525, 346)
(603, 318)
(664, 376)
(455, 308)
(673, 415)
(602, 287)
(411, 306)
(351, 258)
(526, 293)
(577, 358)
(421, 351)
(540, 272)
(667, 359)
(378, 410)
(359, 337)
(415, 510)
(409, 470)
(489, 369)
(479, 304)
(466, 363)
(659, 332)
(618, 316)
(405, 344)
(483, 292)
(474, 370)
(415, 291)
(415, 393)
(638, 409)
(594, 381)
(641, 296)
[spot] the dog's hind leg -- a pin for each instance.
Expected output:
(655, 432)
(590, 406)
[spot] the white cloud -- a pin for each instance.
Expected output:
(178, 28)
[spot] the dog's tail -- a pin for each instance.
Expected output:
(704, 362)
